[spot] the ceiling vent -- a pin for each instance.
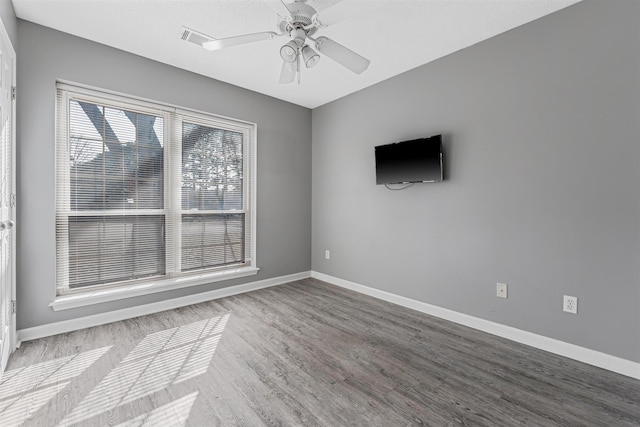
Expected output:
(189, 35)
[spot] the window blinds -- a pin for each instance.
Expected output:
(146, 191)
(212, 178)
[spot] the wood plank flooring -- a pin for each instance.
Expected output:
(305, 353)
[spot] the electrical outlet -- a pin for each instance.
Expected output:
(501, 290)
(327, 254)
(570, 304)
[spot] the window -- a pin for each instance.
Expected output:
(147, 193)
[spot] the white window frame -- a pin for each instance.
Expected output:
(173, 118)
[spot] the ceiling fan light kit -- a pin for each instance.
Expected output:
(300, 24)
(310, 56)
(289, 52)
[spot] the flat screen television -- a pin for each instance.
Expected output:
(417, 160)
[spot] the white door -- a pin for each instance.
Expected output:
(7, 198)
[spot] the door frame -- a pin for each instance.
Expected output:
(12, 338)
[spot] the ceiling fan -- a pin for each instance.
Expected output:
(300, 22)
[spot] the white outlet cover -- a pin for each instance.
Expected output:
(570, 304)
(501, 290)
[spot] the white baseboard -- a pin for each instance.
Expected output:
(571, 351)
(128, 313)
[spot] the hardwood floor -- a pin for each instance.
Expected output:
(305, 353)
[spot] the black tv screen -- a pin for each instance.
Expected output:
(417, 160)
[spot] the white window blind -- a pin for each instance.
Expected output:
(146, 191)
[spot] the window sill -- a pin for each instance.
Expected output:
(65, 302)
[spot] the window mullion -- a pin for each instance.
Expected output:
(174, 194)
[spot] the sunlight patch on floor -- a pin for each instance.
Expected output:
(175, 414)
(23, 391)
(158, 361)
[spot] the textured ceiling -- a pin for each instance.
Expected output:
(396, 35)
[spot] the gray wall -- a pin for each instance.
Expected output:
(284, 159)
(542, 146)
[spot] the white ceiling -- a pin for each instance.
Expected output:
(396, 35)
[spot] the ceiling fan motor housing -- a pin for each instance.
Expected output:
(301, 18)
(299, 36)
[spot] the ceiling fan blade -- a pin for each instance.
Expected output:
(343, 10)
(288, 72)
(279, 7)
(342, 55)
(236, 40)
